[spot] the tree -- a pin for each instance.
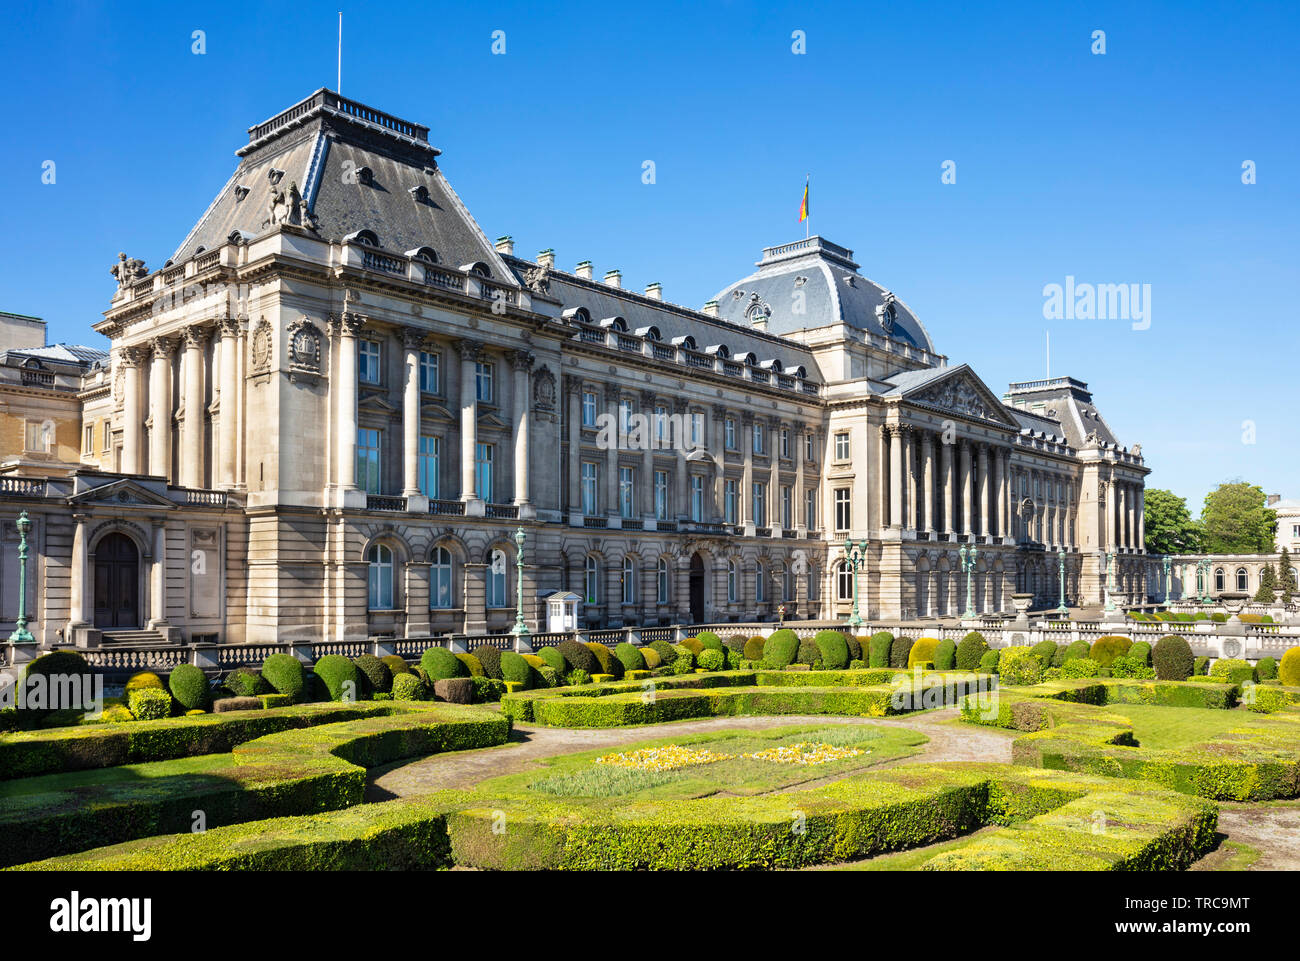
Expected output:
(1235, 520)
(1286, 576)
(1169, 525)
(1267, 584)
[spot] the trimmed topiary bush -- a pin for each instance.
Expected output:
(149, 703)
(1045, 651)
(1128, 666)
(487, 690)
(664, 650)
(284, 673)
(1201, 667)
(145, 679)
(408, 687)
(1020, 665)
(1288, 671)
(490, 658)
(833, 648)
(754, 649)
(945, 655)
(736, 642)
(781, 648)
(439, 664)
(1172, 658)
(691, 644)
(1142, 651)
(854, 646)
(228, 704)
(1266, 668)
(1233, 669)
(339, 675)
(189, 685)
(899, 650)
(454, 690)
(554, 660)
(878, 648)
(472, 664)
(396, 665)
(809, 654)
(922, 651)
(515, 668)
(712, 660)
(578, 657)
(550, 677)
(57, 668)
(709, 641)
(989, 662)
(629, 655)
(245, 682)
(969, 651)
(117, 714)
(652, 658)
(609, 664)
(374, 675)
(1106, 649)
(1059, 655)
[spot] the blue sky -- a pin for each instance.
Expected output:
(1117, 168)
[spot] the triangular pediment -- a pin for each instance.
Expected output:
(492, 422)
(436, 412)
(124, 491)
(961, 393)
(376, 404)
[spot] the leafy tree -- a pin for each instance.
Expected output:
(1285, 576)
(1235, 520)
(1170, 528)
(1267, 584)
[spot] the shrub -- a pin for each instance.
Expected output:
(970, 650)
(736, 642)
(149, 703)
(454, 690)
(664, 650)
(630, 657)
(809, 654)
(1233, 669)
(1201, 667)
(1080, 667)
(1288, 672)
(781, 648)
(490, 659)
(117, 714)
(899, 650)
(878, 648)
(682, 666)
(1266, 667)
(754, 649)
(652, 658)
(1045, 651)
(945, 655)
(339, 675)
(374, 675)
(1020, 665)
(609, 664)
(578, 657)
(712, 660)
(189, 685)
(1172, 658)
(735, 661)
(142, 680)
(1105, 649)
(245, 682)
(691, 644)
(855, 647)
(554, 660)
(284, 673)
(1142, 651)
(515, 668)
(1060, 655)
(227, 704)
(1128, 666)
(709, 641)
(472, 664)
(989, 662)
(834, 650)
(549, 675)
(487, 689)
(1219, 618)
(396, 665)
(408, 687)
(922, 651)
(439, 664)
(54, 666)
(683, 653)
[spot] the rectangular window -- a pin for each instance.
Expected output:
(843, 515)
(785, 443)
(88, 439)
(588, 408)
(760, 584)
(662, 440)
(729, 501)
(729, 433)
(108, 436)
(661, 583)
(483, 382)
(760, 505)
(661, 494)
(810, 447)
(697, 429)
(483, 471)
(842, 446)
(368, 355)
(787, 519)
(430, 454)
(429, 372)
(697, 498)
(758, 438)
(625, 411)
(368, 461)
(626, 491)
(590, 477)
(810, 509)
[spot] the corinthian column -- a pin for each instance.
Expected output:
(196, 339)
(160, 406)
(982, 511)
(895, 476)
(469, 354)
(230, 403)
(130, 359)
(927, 481)
(967, 493)
(521, 361)
(412, 338)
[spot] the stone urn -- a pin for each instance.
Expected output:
(1234, 602)
(1021, 604)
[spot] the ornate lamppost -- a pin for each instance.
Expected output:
(520, 629)
(968, 566)
(21, 635)
(1109, 557)
(1167, 564)
(856, 558)
(1061, 608)
(1204, 565)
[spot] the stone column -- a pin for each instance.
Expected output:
(895, 476)
(521, 361)
(774, 478)
(949, 482)
(650, 438)
(612, 397)
(982, 513)
(909, 478)
(746, 505)
(995, 517)
(412, 338)
(1109, 541)
(719, 461)
(77, 575)
(681, 482)
(798, 497)
(158, 579)
(573, 397)
(130, 359)
(160, 407)
(967, 491)
(927, 481)
(196, 339)
(1141, 519)
(469, 354)
(230, 404)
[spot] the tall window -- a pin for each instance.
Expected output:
(785, 443)
(380, 587)
(483, 454)
(588, 408)
(729, 501)
(496, 579)
(625, 411)
(484, 375)
(758, 438)
(842, 446)
(368, 460)
(843, 514)
(429, 372)
(440, 583)
(661, 494)
(787, 583)
(629, 581)
(591, 580)
(697, 498)
(430, 454)
(589, 487)
(844, 582)
(810, 508)
(760, 584)
(729, 433)
(368, 356)
(810, 447)
(697, 429)
(1218, 578)
(661, 582)
(88, 439)
(760, 505)
(662, 440)
(787, 519)
(1242, 581)
(626, 491)
(811, 587)
(731, 582)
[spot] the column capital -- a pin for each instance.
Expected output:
(613, 393)
(413, 338)
(648, 398)
(469, 349)
(130, 356)
(163, 347)
(196, 336)
(229, 326)
(680, 405)
(522, 359)
(719, 411)
(572, 384)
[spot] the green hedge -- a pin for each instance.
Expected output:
(834, 650)
(970, 650)
(781, 648)
(284, 673)
(340, 676)
(878, 648)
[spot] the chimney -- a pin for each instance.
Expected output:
(1272, 499)
(614, 278)
(506, 245)
(546, 258)
(583, 270)
(711, 308)
(655, 291)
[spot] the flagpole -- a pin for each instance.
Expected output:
(338, 85)
(807, 221)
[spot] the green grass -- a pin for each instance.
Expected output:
(1175, 727)
(911, 859)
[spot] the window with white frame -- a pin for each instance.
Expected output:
(39, 436)
(429, 456)
(697, 429)
(661, 494)
(759, 436)
(368, 460)
(496, 579)
(484, 454)
(729, 500)
(787, 511)
(760, 504)
(787, 583)
(484, 382)
(760, 584)
(88, 439)
(785, 443)
(697, 498)
(368, 358)
(441, 593)
(591, 580)
(662, 428)
(810, 508)
(811, 587)
(810, 447)
(590, 478)
(729, 433)
(843, 509)
(731, 582)
(588, 408)
(626, 409)
(843, 582)
(380, 581)
(626, 491)
(842, 445)
(429, 370)
(629, 581)
(661, 581)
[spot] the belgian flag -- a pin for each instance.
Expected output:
(803, 206)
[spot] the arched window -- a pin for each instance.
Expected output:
(844, 582)
(441, 594)
(1295, 576)
(760, 584)
(1243, 581)
(592, 578)
(1218, 578)
(661, 581)
(731, 582)
(496, 581)
(380, 593)
(629, 581)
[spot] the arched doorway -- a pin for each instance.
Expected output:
(697, 589)
(117, 583)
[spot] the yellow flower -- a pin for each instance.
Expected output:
(806, 752)
(667, 758)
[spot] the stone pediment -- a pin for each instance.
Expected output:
(376, 404)
(492, 422)
(436, 412)
(963, 394)
(122, 492)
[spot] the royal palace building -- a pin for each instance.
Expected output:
(329, 412)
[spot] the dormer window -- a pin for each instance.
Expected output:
(478, 269)
(366, 238)
(419, 193)
(426, 254)
(615, 323)
(365, 176)
(577, 315)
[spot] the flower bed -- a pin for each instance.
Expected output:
(667, 758)
(804, 753)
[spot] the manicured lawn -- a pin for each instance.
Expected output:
(1174, 727)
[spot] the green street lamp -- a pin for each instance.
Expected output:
(968, 566)
(1061, 608)
(1167, 564)
(856, 558)
(520, 629)
(1109, 557)
(21, 635)
(1204, 564)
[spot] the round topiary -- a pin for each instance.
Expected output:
(490, 658)
(683, 665)
(809, 654)
(709, 641)
(652, 658)
(691, 644)
(1288, 671)
(989, 662)
(1044, 651)
(1142, 651)
(629, 655)
(834, 650)
(117, 714)
(665, 651)
(472, 664)
(712, 660)
(1076, 650)
(147, 679)
(969, 651)
(945, 655)
(339, 675)
(515, 668)
(189, 685)
(284, 673)
(439, 664)
(549, 676)
(150, 703)
(578, 657)
(1020, 666)
(374, 675)
(1172, 658)
(878, 648)
(683, 653)
(609, 664)
(780, 650)
(736, 643)
(1105, 649)
(754, 649)
(554, 660)
(922, 651)
(855, 647)
(1058, 656)
(245, 682)
(408, 687)
(57, 669)
(1266, 667)
(899, 651)
(396, 665)
(1128, 666)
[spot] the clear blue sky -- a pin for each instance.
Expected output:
(1122, 168)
